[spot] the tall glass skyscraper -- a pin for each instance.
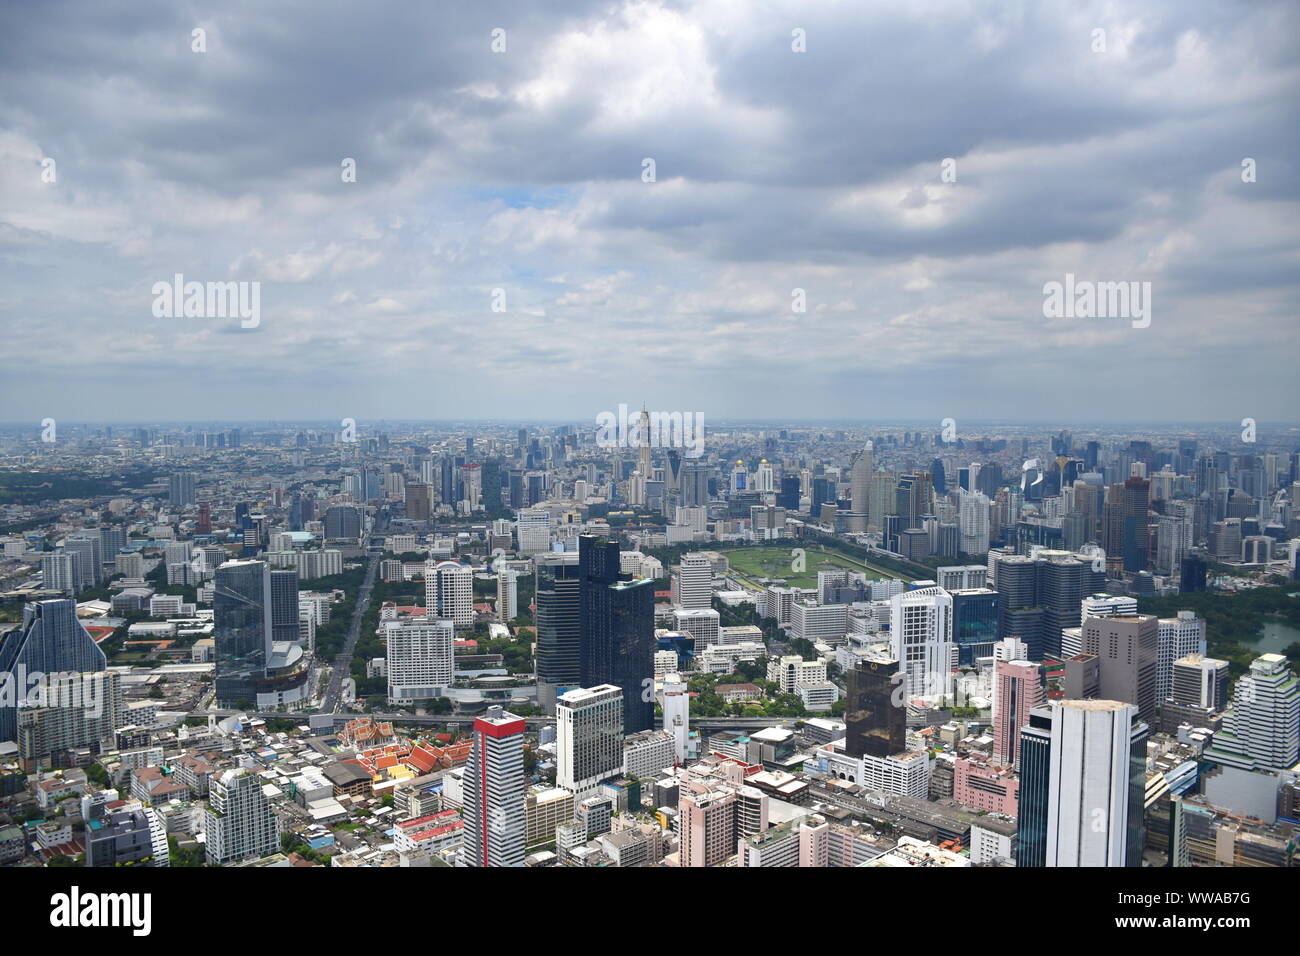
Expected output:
(974, 623)
(559, 633)
(617, 621)
(875, 725)
(284, 604)
(242, 630)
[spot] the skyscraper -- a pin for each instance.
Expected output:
(90, 559)
(1261, 730)
(975, 618)
(1127, 648)
(694, 581)
(284, 604)
(1082, 785)
(242, 630)
(342, 523)
(588, 737)
(875, 723)
(920, 639)
(59, 572)
(507, 595)
(534, 530)
(617, 628)
(50, 641)
(860, 473)
(420, 658)
(1019, 687)
(695, 483)
(493, 807)
(559, 632)
(449, 591)
(677, 714)
(1179, 636)
(1125, 514)
(180, 489)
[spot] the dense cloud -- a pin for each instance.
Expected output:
(775, 171)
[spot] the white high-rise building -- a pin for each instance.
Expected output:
(240, 821)
(507, 595)
(533, 527)
(677, 714)
(1095, 782)
(700, 623)
(493, 798)
(694, 581)
(59, 572)
(920, 639)
(1261, 730)
(1179, 636)
(973, 518)
(449, 591)
(420, 659)
(588, 737)
(1173, 539)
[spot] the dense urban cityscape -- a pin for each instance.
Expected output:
(410, 644)
(649, 435)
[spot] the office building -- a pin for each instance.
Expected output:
(1179, 636)
(242, 634)
(343, 523)
(493, 807)
(1082, 785)
(617, 630)
(693, 582)
(1127, 649)
(129, 837)
(589, 737)
(920, 639)
(875, 718)
(1019, 686)
(284, 604)
(975, 616)
(533, 529)
(559, 634)
(1199, 681)
(1261, 729)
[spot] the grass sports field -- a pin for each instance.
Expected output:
(756, 563)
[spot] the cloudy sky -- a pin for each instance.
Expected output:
(774, 170)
